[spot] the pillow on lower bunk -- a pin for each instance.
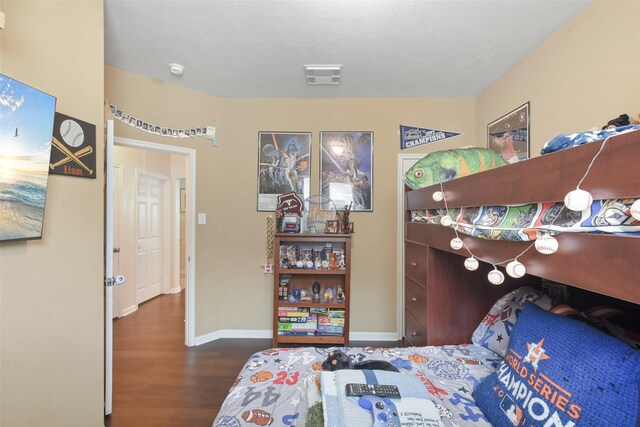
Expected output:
(561, 372)
(494, 330)
(624, 326)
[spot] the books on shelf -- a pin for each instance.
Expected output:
(334, 330)
(302, 321)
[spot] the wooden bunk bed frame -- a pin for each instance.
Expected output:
(444, 302)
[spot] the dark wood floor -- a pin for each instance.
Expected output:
(157, 381)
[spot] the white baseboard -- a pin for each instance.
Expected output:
(374, 336)
(175, 290)
(233, 333)
(267, 333)
(129, 310)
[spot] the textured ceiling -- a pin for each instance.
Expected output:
(388, 48)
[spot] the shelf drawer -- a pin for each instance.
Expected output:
(415, 265)
(415, 299)
(415, 332)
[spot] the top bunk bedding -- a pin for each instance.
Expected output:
(523, 222)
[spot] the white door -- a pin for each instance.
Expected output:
(149, 236)
(108, 269)
(115, 234)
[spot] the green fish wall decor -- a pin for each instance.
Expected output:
(446, 165)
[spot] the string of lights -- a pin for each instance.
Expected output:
(545, 243)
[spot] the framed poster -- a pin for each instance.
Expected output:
(74, 147)
(26, 127)
(509, 135)
(346, 169)
(284, 163)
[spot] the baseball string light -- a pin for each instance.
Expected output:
(576, 200)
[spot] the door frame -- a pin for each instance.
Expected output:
(400, 242)
(190, 153)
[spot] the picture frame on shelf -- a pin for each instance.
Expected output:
(510, 134)
(331, 227)
(346, 169)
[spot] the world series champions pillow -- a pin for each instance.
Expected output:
(561, 372)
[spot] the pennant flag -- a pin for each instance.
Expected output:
(411, 136)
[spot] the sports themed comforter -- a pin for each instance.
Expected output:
(520, 223)
(280, 386)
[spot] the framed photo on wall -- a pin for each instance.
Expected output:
(284, 163)
(26, 129)
(509, 135)
(346, 169)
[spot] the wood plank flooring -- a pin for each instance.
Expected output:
(159, 382)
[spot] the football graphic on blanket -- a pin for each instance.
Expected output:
(257, 417)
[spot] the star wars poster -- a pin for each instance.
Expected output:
(283, 166)
(73, 147)
(346, 169)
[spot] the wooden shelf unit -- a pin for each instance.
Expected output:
(303, 278)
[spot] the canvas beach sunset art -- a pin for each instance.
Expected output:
(26, 126)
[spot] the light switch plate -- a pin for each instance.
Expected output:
(202, 218)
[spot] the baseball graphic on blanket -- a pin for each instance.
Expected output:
(71, 133)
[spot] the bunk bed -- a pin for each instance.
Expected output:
(454, 349)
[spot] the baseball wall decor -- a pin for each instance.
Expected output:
(73, 147)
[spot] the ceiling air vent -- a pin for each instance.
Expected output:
(323, 74)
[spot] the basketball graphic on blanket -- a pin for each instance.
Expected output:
(71, 133)
(261, 376)
(417, 358)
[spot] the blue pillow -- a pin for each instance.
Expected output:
(561, 372)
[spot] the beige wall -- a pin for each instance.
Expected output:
(51, 294)
(580, 78)
(231, 290)
(50, 290)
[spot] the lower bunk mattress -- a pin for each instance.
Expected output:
(281, 386)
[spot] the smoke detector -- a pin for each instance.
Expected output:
(323, 74)
(176, 69)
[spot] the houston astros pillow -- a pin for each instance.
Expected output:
(561, 372)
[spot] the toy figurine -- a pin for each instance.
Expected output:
(318, 261)
(341, 262)
(345, 219)
(340, 295)
(279, 218)
(328, 296)
(316, 291)
(333, 262)
(297, 294)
